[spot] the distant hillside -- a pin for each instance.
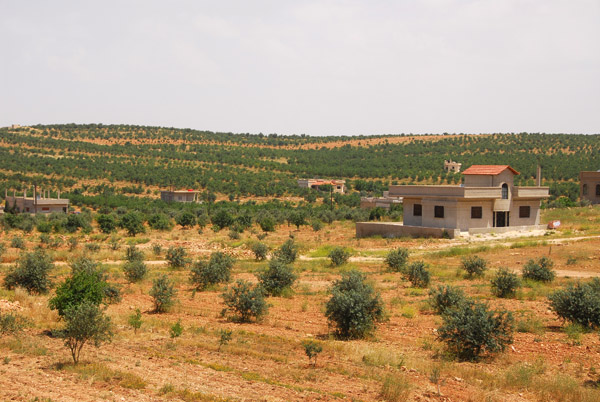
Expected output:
(95, 158)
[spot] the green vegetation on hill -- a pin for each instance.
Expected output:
(95, 159)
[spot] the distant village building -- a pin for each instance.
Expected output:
(589, 186)
(453, 167)
(41, 202)
(180, 195)
(13, 126)
(384, 202)
(339, 186)
(487, 202)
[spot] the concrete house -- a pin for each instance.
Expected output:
(589, 186)
(488, 201)
(41, 202)
(339, 186)
(180, 196)
(451, 166)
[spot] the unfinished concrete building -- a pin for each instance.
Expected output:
(488, 201)
(41, 202)
(339, 186)
(180, 196)
(451, 166)
(589, 186)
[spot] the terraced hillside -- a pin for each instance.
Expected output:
(96, 159)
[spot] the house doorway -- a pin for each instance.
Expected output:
(501, 219)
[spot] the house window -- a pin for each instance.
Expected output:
(417, 210)
(476, 212)
(45, 209)
(524, 211)
(584, 189)
(505, 191)
(438, 211)
(597, 189)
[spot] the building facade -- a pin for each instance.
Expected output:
(180, 196)
(589, 186)
(450, 166)
(41, 202)
(487, 201)
(339, 186)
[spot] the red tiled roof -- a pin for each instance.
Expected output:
(488, 169)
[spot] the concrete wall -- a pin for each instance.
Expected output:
(534, 215)
(450, 213)
(591, 179)
(476, 180)
(389, 230)
(408, 217)
(464, 220)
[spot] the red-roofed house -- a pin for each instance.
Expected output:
(487, 201)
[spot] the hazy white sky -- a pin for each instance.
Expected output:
(314, 67)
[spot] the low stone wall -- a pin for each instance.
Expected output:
(505, 229)
(388, 229)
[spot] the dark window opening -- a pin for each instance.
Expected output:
(476, 212)
(417, 210)
(438, 211)
(505, 191)
(524, 211)
(597, 189)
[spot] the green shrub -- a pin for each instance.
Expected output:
(176, 329)
(133, 254)
(135, 320)
(277, 277)
(396, 259)
(354, 307)
(222, 219)
(444, 297)
(84, 323)
(267, 224)
(578, 303)
(17, 242)
(133, 222)
(539, 270)
(73, 243)
(418, 274)
(245, 301)
(2, 250)
(92, 247)
(135, 270)
(160, 222)
(316, 225)
(83, 285)
(112, 294)
(31, 272)
(505, 283)
(288, 252)
(338, 256)
(162, 294)
(474, 265)
(312, 349)
(107, 223)
(177, 257)
(12, 323)
(216, 270)
(224, 337)
(157, 249)
(233, 234)
(470, 329)
(186, 219)
(260, 250)
(44, 238)
(44, 226)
